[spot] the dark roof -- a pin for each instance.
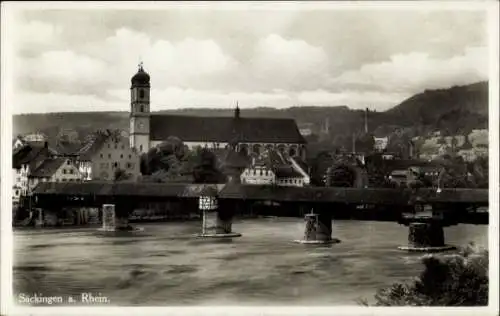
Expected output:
(92, 145)
(233, 159)
(319, 194)
(31, 155)
(225, 129)
(278, 164)
(48, 167)
(67, 148)
(108, 188)
(141, 78)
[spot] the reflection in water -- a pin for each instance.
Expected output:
(164, 265)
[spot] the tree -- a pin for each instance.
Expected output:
(205, 169)
(120, 175)
(164, 156)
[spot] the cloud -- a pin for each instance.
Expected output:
(66, 59)
(36, 33)
(280, 63)
(417, 71)
(63, 102)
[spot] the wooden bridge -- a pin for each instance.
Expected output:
(426, 211)
(90, 193)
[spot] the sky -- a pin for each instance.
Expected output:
(82, 60)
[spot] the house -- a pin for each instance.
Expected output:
(381, 143)
(275, 168)
(25, 160)
(251, 134)
(33, 164)
(104, 154)
(54, 170)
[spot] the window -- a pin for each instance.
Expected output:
(64, 171)
(63, 180)
(123, 146)
(121, 156)
(109, 156)
(68, 162)
(141, 94)
(115, 165)
(140, 148)
(70, 171)
(129, 156)
(102, 155)
(260, 171)
(142, 108)
(129, 165)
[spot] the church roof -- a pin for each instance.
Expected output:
(225, 129)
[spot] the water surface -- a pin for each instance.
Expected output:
(164, 265)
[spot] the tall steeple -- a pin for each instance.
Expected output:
(140, 110)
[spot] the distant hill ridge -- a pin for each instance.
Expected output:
(456, 109)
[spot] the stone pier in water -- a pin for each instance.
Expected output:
(216, 223)
(112, 222)
(425, 230)
(318, 229)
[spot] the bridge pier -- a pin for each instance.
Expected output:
(113, 221)
(425, 231)
(216, 222)
(318, 229)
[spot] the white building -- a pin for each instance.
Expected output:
(273, 167)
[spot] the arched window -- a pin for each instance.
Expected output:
(141, 94)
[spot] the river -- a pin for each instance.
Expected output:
(163, 265)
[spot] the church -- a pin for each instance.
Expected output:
(244, 133)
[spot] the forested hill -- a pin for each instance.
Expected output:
(456, 110)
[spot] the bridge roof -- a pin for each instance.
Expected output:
(123, 189)
(316, 194)
(263, 192)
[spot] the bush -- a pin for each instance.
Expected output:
(448, 280)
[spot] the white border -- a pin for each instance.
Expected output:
(8, 13)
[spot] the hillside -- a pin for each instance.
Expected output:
(455, 110)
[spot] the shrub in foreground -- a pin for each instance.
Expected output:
(459, 279)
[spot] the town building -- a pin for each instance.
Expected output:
(25, 160)
(250, 134)
(381, 143)
(275, 168)
(54, 170)
(34, 163)
(104, 154)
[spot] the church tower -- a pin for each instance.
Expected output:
(139, 111)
